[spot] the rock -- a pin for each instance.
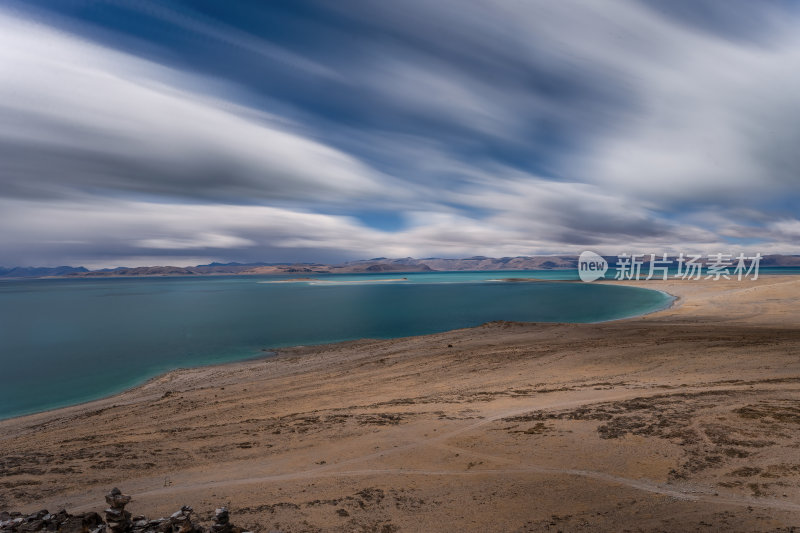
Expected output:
(179, 522)
(116, 499)
(82, 523)
(32, 525)
(117, 520)
(73, 524)
(222, 522)
(221, 515)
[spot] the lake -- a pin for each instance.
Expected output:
(65, 341)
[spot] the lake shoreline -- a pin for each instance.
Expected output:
(593, 421)
(276, 352)
(123, 334)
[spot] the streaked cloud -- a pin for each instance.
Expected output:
(184, 131)
(77, 117)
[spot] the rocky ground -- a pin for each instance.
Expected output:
(117, 520)
(686, 420)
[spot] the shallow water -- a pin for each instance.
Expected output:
(64, 341)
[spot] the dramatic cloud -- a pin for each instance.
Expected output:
(78, 117)
(147, 132)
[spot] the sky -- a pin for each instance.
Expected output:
(145, 132)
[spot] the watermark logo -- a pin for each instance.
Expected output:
(591, 266)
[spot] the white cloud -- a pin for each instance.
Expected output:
(202, 240)
(672, 133)
(77, 116)
(710, 121)
(124, 232)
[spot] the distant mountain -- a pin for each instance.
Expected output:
(224, 268)
(378, 264)
(478, 263)
(40, 272)
(781, 260)
(554, 262)
(203, 270)
(139, 271)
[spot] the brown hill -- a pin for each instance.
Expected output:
(382, 264)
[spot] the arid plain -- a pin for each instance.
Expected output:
(683, 420)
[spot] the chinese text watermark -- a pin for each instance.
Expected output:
(592, 266)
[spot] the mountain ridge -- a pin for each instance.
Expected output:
(378, 264)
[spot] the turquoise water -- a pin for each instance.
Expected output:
(65, 341)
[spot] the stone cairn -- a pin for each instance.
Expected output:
(118, 520)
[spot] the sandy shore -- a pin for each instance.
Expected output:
(687, 419)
